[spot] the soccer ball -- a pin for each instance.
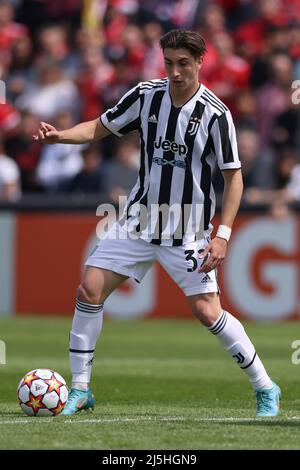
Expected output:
(42, 392)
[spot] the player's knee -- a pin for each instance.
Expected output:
(86, 293)
(205, 312)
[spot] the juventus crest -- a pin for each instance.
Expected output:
(194, 124)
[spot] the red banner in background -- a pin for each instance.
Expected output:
(259, 279)
(49, 254)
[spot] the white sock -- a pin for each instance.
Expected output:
(86, 327)
(233, 337)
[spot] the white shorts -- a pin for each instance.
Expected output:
(133, 258)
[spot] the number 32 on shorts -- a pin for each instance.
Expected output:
(192, 256)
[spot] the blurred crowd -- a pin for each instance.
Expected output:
(67, 61)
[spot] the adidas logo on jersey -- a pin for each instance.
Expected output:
(152, 118)
(206, 279)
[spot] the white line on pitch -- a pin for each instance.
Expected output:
(143, 419)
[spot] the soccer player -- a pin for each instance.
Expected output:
(184, 129)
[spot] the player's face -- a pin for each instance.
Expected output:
(182, 69)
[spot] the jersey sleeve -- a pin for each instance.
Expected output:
(125, 116)
(224, 140)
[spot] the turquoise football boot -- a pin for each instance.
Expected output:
(268, 401)
(78, 400)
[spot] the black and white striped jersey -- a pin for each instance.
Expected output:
(179, 148)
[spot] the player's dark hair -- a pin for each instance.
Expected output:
(184, 39)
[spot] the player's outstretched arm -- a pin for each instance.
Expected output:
(82, 133)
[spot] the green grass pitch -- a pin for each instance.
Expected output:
(158, 385)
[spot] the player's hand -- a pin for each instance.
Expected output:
(46, 134)
(215, 253)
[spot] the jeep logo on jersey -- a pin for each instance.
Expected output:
(166, 145)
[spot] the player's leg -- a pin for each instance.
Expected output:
(182, 263)
(97, 284)
(113, 260)
(234, 339)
